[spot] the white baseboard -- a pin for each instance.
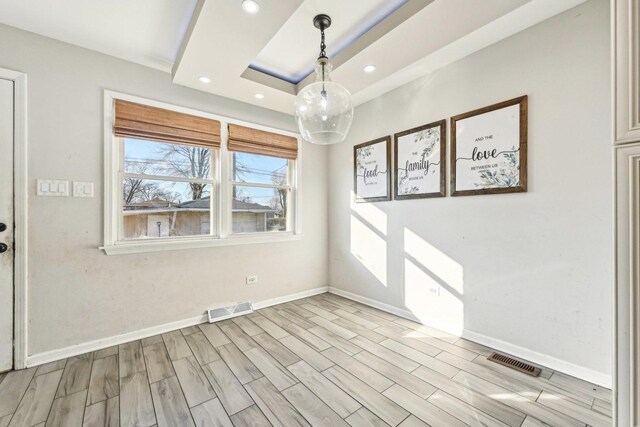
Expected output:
(374, 303)
(556, 364)
(290, 297)
(74, 350)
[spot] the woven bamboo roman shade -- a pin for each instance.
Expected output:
(255, 141)
(145, 122)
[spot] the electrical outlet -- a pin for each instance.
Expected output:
(252, 280)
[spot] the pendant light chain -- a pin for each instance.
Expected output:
(323, 54)
(323, 46)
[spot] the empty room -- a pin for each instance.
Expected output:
(319, 213)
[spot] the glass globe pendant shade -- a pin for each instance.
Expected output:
(324, 109)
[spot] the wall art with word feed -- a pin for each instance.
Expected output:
(372, 170)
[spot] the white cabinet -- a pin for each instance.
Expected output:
(626, 121)
(626, 73)
(628, 284)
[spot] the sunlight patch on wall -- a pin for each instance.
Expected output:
(434, 260)
(433, 285)
(430, 302)
(369, 248)
(375, 216)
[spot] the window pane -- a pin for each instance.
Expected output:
(260, 169)
(258, 209)
(157, 158)
(165, 209)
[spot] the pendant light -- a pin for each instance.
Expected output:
(324, 109)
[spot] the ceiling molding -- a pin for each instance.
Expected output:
(187, 35)
(269, 80)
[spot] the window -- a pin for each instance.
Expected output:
(260, 193)
(261, 179)
(166, 190)
(181, 179)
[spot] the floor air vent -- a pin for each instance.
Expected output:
(222, 313)
(514, 364)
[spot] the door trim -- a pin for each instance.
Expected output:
(20, 207)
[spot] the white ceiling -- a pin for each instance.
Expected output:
(149, 32)
(354, 17)
(217, 39)
(419, 37)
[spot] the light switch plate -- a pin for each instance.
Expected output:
(52, 187)
(82, 189)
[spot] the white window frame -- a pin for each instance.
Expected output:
(291, 171)
(221, 190)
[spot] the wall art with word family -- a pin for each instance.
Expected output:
(420, 161)
(489, 149)
(372, 170)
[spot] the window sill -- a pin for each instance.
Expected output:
(159, 246)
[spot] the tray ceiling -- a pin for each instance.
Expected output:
(410, 39)
(271, 53)
(291, 53)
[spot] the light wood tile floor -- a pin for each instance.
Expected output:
(320, 361)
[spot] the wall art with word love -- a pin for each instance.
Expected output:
(489, 149)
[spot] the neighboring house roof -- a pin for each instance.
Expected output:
(195, 204)
(238, 206)
(153, 203)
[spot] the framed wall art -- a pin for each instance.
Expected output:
(372, 170)
(420, 162)
(489, 149)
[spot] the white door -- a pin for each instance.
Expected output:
(6, 225)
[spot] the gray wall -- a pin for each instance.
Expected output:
(530, 272)
(78, 294)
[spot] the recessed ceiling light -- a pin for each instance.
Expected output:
(258, 96)
(205, 79)
(369, 68)
(250, 6)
